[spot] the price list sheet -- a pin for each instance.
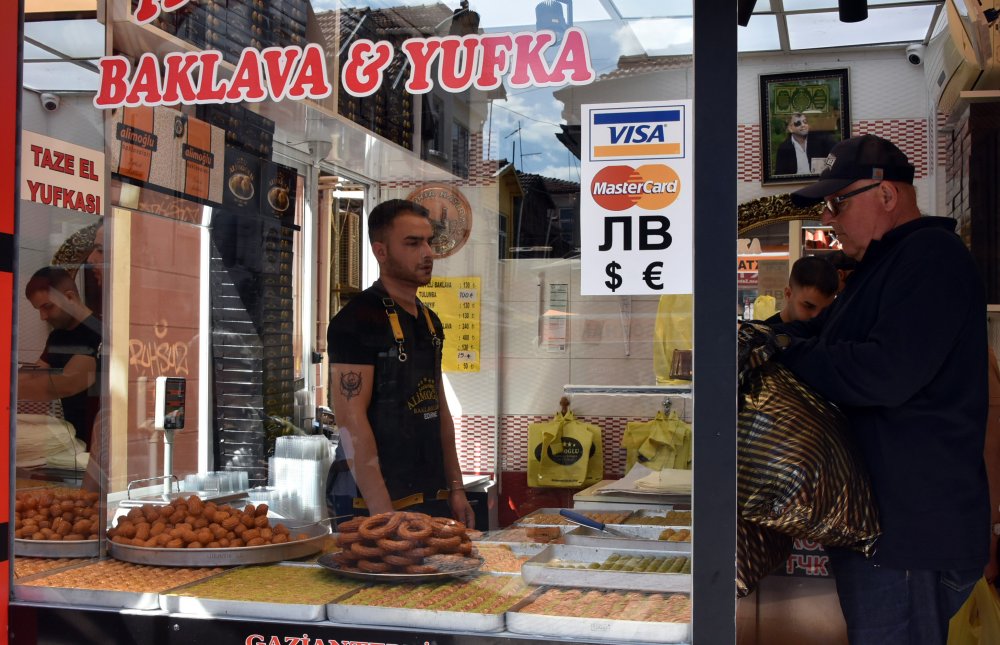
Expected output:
(456, 301)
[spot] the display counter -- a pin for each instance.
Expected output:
(532, 581)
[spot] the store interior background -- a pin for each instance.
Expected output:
(158, 266)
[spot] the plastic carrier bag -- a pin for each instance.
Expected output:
(759, 551)
(664, 442)
(564, 453)
(977, 622)
(672, 339)
(797, 471)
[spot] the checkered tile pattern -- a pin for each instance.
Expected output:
(481, 170)
(941, 141)
(475, 436)
(909, 134)
(514, 441)
(51, 408)
(749, 163)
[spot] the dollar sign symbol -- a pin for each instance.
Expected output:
(612, 271)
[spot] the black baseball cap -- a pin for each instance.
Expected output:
(863, 157)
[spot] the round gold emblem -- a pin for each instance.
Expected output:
(451, 216)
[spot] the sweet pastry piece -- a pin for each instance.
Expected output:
(484, 595)
(675, 535)
(630, 605)
(284, 584)
(60, 514)
(114, 575)
(500, 558)
(555, 519)
(403, 542)
(630, 564)
(670, 518)
(24, 567)
(190, 523)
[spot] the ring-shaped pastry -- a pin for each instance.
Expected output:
(366, 552)
(415, 529)
(465, 548)
(395, 546)
(379, 526)
(444, 545)
(351, 526)
(445, 527)
(347, 539)
(400, 560)
(422, 552)
(369, 566)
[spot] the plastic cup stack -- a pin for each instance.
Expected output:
(280, 502)
(300, 464)
(219, 481)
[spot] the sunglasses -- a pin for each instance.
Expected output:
(832, 204)
(799, 123)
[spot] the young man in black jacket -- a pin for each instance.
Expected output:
(903, 352)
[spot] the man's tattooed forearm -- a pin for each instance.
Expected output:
(350, 384)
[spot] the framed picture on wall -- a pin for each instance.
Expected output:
(802, 116)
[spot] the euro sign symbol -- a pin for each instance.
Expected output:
(652, 276)
(612, 271)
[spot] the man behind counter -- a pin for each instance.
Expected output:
(385, 352)
(67, 368)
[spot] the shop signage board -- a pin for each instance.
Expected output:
(456, 301)
(60, 174)
(453, 63)
(636, 206)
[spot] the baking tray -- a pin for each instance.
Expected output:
(23, 590)
(529, 519)
(435, 619)
(263, 554)
(57, 548)
(638, 515)
(327, 561)
(416, 618)
(645, 537)
(536, 571)
(184, 600)
(619, 631)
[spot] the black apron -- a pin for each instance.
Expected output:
(405, 409)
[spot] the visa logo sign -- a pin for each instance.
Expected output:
(630, 134)
(637, 134)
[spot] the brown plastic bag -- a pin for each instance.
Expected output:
(797, 470)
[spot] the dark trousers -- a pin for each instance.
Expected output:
(885, 606)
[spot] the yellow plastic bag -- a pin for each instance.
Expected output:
(764, 307)
(672, 332)
(977, 622)
(595, 461)
(558, 452)
(664, 442)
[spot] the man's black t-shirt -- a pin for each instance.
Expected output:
(405, 407)
(79, 409)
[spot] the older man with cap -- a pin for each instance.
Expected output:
(902, 351)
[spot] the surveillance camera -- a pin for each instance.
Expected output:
(915, 54)
(49, 101)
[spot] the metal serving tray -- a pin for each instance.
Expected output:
(416, 618)
(184, 600)
(537, 572)
(23, 590)
(435, 619)
(263, 554)
(619, 631)
(639, 515)
(57, 548)
(645, 537)
(529, 520)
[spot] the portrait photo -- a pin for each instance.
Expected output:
(802, 116)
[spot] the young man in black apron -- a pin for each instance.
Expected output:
(385, 351)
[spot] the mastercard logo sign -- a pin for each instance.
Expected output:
(651, 187)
